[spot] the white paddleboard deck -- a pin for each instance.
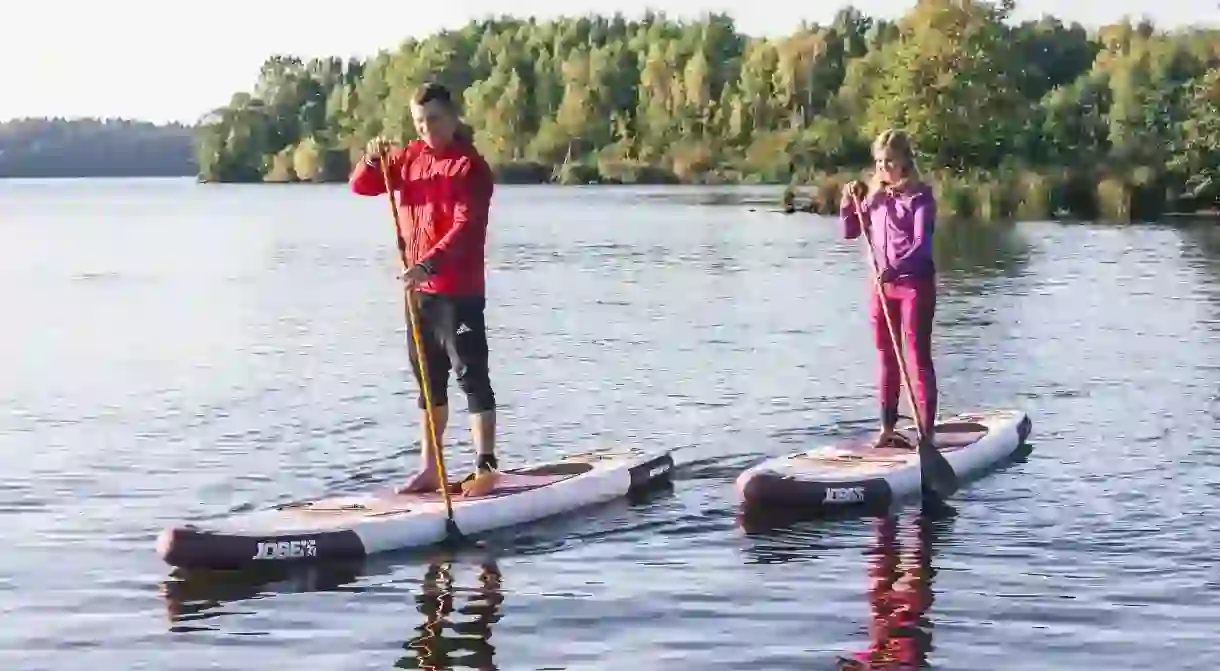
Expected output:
(354, 526)
(852, 472)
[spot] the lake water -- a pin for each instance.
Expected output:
(176, 351)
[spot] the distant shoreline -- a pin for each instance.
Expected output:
(191, 176)
(805, 202)
(86, 148)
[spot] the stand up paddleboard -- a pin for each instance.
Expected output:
(855, 473)
(347, 527)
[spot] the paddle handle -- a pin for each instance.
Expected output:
(413, 323)
(889, 323)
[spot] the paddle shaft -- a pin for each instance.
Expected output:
(889, 324)
(413, 322)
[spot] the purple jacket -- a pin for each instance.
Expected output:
(901, 229)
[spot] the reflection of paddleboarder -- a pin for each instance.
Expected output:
(432, 647)
(900, 593)
(194, 597)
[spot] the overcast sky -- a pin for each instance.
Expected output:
(129, 58)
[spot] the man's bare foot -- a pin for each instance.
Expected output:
(483, 481)
(482, 484)
(424, 480)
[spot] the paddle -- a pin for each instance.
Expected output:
(935, 472)
(413, 320)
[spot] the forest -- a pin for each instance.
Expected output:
(96, 148)
(1012, 119)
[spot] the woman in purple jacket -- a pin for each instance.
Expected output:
(900, 211)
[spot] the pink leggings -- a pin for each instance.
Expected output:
(912, 306)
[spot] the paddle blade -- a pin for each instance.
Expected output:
(938, 476)
(453, 535)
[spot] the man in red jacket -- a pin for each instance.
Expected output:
(444, 193)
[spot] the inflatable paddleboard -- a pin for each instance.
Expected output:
(854, 473)
(347, 527)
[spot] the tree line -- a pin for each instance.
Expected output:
(1034, 117)
(59, 147)
(1012, 119)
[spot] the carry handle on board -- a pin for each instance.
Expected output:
(935, 472)
(451, 527)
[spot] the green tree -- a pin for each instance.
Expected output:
(950, 81)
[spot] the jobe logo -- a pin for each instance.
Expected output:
(286, 549)
(844, 495)
(657, 470)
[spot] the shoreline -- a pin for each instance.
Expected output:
(960, 198)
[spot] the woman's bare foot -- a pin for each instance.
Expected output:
(884, 438)
(424, 480)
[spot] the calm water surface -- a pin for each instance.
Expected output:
(175, 351)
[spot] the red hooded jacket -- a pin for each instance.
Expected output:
(444, 198)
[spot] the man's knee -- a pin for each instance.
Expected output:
(480, 397)
(438, 384)
(469, 356)
(437, 394)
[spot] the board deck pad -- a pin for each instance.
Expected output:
(389, 502)
(859, 454)
(506, 484)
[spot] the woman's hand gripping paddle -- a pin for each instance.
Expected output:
(454, 534)
(937, 475)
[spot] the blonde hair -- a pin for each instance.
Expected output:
(899, 143)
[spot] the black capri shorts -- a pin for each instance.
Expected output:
(454, 336)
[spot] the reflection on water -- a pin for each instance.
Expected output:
(455, 632)
(1200, 243)
(900, 594)
(468, 645)
(980, 249)
(194, 596)
(899, 566)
